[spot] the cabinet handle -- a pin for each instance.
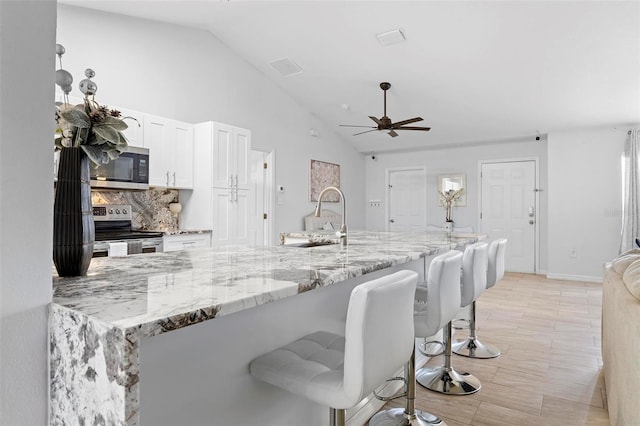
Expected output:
(236, 185)
(230, 181)
(174, 178)
(167, 177)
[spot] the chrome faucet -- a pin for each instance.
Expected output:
(343, 228)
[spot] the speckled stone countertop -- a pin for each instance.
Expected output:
(97, 321)
(187, 231)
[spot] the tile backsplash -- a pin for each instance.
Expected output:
(150, 209)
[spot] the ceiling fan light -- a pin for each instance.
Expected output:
(391, 37)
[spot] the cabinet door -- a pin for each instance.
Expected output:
(222, 153)
(241, 217)
(230, 216)
(222, 217)
(156, 135)
(240, 159)
(135, 126)
(181, 155)
(170, 144)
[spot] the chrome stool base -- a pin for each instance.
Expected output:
(474, 348)
(399, 417)
(447, 381)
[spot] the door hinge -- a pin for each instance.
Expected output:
(264, 165)
(480, 215)
(264, 215)
(390, 186)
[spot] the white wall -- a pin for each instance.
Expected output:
(580, 203)
(189, 75)
(585, 201)
(454, 160)
(27, 51)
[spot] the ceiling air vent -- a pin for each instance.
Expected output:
(391, 37)
(286, 67)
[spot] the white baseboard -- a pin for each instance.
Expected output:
(569, 277)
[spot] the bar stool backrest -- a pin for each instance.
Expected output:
(475, 262)
(495, 272)
(379, 332)
(443, 294)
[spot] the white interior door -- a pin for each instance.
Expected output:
(509, 210)
(406, 199)
(258, 203)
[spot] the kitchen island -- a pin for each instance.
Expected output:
(113, 362)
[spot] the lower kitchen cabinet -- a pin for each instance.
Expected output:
(186, 241)
(230, 216)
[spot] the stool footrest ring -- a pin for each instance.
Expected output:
(400, 394)
(424, 348)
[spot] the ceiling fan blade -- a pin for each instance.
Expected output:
(366, 131)
(409, 121)
(353, 125)
(378, 122)
(392, 133)
(413, 128)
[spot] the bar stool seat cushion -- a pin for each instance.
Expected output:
(312, 366)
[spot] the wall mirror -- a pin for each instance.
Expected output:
(454, 182)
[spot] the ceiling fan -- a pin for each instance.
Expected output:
(385, 123)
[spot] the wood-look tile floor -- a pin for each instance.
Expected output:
(550, 370)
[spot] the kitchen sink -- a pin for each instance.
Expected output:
(305, 240)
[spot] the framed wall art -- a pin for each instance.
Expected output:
(321, 175)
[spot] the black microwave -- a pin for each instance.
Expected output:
(130, 171)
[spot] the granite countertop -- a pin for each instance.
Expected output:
(187, 231)
(159, 292)
(97, 322)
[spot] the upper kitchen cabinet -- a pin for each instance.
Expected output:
(230, 156)
(170, 144)
(135, 128)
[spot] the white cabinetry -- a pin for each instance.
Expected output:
(135, 128)
(170, 144)
(220, 199)
(186, 241)
(230, 156)
(230, 216)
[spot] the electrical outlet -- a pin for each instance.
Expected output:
(572, 253)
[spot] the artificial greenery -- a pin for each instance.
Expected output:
(94, 128)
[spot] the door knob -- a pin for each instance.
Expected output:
(392, 221)
(531, 221)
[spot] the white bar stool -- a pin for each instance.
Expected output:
(339, 371)
(471, 346)
(425, 325)
(443, 303)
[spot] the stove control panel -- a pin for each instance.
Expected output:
(105, 212)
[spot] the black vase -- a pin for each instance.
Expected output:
(73, 228)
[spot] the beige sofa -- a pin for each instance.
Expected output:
(621, 339)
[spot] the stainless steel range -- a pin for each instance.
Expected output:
(113, 225)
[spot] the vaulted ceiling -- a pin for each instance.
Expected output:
(475, 71)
